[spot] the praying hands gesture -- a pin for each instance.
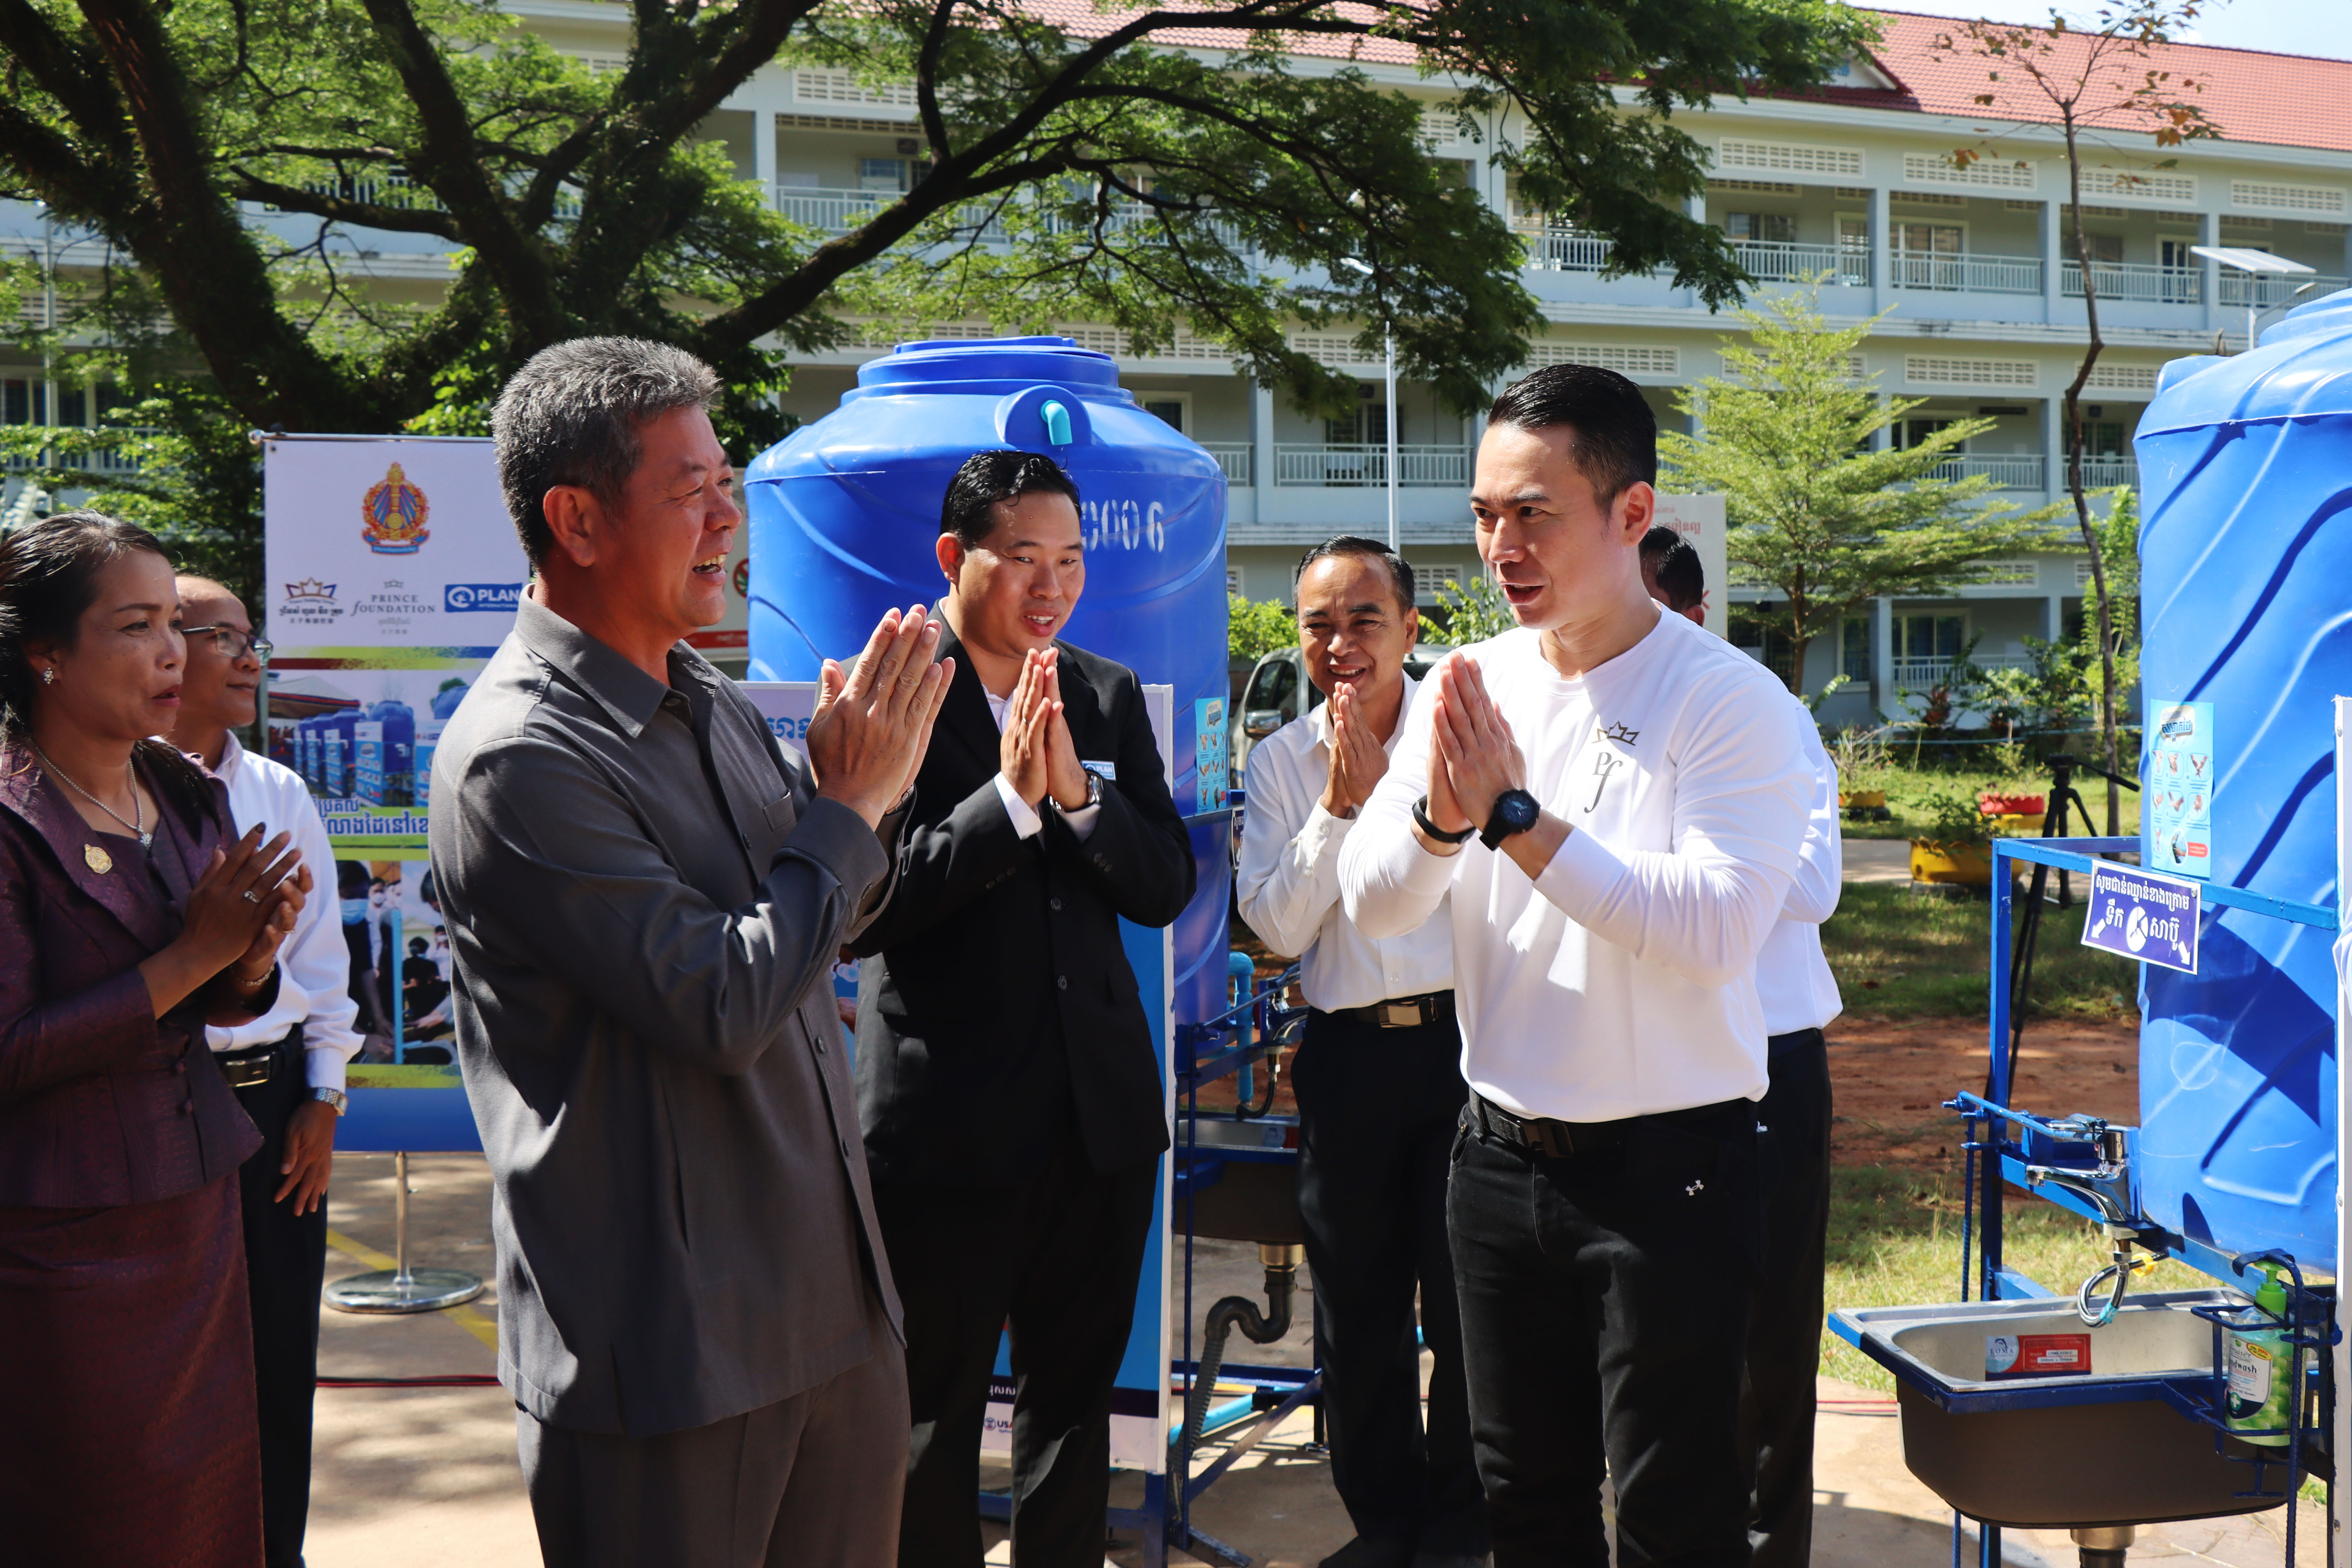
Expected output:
(874, 723)
(1359, 760)
(1473, 759)
(1036, 755)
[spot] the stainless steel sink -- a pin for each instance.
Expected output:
(2115, 1445)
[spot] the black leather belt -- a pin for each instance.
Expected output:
(251, 1064)
(1401, 1012)
(1558, 1140)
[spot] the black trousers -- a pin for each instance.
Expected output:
(1784, 1322)
(1604, 1318)
(1054, 1259)
(285, 1269)
(1377, 1113)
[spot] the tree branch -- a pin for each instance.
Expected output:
(251, 187)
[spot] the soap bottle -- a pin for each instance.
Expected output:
(2261, 1370)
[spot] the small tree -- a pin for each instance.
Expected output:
(1254, 628)
(2088, 80)
(2106, 654)
(1475, 611)
(1814, 514)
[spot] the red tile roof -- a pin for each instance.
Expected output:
(2285, 101)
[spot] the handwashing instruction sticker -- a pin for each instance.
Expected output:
(2177, 799)
(2037, 1355)
(2136, 913)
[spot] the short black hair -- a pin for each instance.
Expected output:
(1616, 435)
(1399, 569)
(572, 416)
(987, 477)
(1682, 578)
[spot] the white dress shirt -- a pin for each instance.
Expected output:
(1623, 981)
(1792, 978)
(1026, 823)
(313, 964)
(1287, 885)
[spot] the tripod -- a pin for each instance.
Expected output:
(2063, 796)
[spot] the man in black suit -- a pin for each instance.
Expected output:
(1006, 1085)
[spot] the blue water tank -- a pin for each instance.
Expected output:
(2245, 549)
(846, 520)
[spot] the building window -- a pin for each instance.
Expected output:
(1772, 228)
(1854, 648)
(1931, 240)
(1908, 433)
(1169, 411)
(1938, 637)
(1760, 641)
(23, 402)
(1232, 580)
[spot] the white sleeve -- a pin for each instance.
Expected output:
(1702, 909)
(1821, 871)
(1288, 877)
(1389, 885)
(1026, 823)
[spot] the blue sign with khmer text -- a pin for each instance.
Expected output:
(2136, 913)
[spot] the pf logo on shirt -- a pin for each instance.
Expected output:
(1605, 763)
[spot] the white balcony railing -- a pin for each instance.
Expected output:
(2017, 471)
(100, 462)
(829, 211)
(1922, 674)
(1363, 463)
(1554, 247)
(2098, 472)
(1233, 456)
(1775, 261)
(2264, 291)
(2136, 282)
(1964, 273)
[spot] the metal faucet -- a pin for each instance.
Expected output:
(2106, 1184)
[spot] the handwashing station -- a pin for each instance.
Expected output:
(2098, 1408)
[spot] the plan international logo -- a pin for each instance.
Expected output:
(392, 514)
(457, 598)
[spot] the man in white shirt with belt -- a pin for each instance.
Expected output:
(1799, 997)
(1378, 1077)
(286, 1065)
(1638, 790)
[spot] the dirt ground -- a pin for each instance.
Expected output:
(1891, 1079)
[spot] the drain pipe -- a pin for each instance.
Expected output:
(2103, 1546)
(1281, 1281)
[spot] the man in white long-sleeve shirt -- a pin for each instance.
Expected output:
(1799, 997)
(286, 1065)
(1378, 1077)
(1638, 789)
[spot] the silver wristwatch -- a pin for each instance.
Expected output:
(335, 1097)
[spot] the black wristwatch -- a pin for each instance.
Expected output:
(1515, 813)
(1421, 816)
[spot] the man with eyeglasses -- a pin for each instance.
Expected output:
(286, 1065)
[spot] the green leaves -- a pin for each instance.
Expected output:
(1814, 512)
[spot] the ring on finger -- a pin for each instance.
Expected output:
(249, 896)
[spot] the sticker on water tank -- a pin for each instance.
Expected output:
(2037, 1355)
(2177, 800)
(1210, 767)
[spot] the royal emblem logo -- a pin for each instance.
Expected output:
(392, 514)
(310, 588)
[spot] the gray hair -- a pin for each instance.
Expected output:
(572, 415)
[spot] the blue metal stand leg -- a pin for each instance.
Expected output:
(1155, 1521)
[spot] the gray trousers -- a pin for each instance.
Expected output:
(813, 1478)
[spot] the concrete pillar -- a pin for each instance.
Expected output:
(1882, 653)
(763, 152)
(1261, 444)
(2053, 612)
(2053, 263)
(2053, 439)
(1881, 248)
(2209, 232)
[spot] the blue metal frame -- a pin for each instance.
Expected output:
(2005, 1163)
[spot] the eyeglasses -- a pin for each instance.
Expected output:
(232, 642)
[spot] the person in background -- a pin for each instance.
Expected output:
(1010, 1099)
(1638, 790)
(1799, 997)
(131, 915)
(421, 989)
(286, 1065)
(1378, 1077)
(1672, 574)
(362, 937)
(644, 894)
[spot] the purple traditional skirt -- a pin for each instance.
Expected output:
(127, 1425)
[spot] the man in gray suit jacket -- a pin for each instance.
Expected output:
(645, 895)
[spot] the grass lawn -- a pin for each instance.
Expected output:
(1901, 954)
(1909, 789)
(1894, 1240)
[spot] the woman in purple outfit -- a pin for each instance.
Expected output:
(130, 916)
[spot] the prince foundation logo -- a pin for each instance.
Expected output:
(392, 514)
